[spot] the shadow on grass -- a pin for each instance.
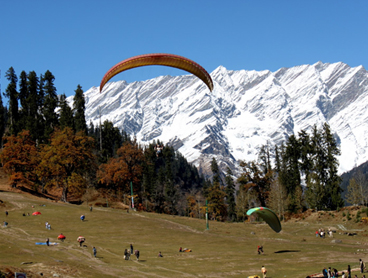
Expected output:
(287, 251)
(35, 193)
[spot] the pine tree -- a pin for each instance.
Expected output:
(2, 120)
(315, 192)
(24, 100)
(66, 114)
(230, 197)
(79, 110)
(323, 183)
(215, 172)
(290, 173)
(264, 158)
(306, 153)
(171, 192)
(34, 119)
(216, 202)
(277, 160)
(50, 104)
(12, 94)
(111, 140)
(333, 180)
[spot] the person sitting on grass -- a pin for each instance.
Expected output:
(159, 255)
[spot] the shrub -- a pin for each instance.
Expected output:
(365, 210)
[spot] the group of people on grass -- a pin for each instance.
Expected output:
(129, 251)
(322, 233)
(333, 273)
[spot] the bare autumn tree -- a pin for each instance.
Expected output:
(253, 177)
(357, 190)
(20, 158)
(277, 199)
(66, 161)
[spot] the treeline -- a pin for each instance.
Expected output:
(302, 173)
(47, 144)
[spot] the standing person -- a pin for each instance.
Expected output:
(324, 272)
(47, 242)
(260, 249)
(6, 213)
(349, 271)
(90, 208)
(136, 253)
(343, 275)
(131, 249)
(94, 251)
(361, 266)
(264, 271)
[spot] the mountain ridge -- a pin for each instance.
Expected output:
(246, 109)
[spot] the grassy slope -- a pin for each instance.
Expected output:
(225, 250)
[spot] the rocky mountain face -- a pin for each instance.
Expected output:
(246, 110)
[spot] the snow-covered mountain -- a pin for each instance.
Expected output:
(246, 110)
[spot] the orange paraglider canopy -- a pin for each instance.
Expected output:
(36, 213)
(162, 59)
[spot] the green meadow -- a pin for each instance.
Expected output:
(224, 250)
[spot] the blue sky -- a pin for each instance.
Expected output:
(78, 41)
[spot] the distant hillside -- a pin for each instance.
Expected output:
(350, 174)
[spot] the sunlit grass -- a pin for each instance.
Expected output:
(225, 250)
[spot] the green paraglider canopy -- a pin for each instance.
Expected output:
(267, 215)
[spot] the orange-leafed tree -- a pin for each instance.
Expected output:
(67, 161)
(118, 172)
(20, 158)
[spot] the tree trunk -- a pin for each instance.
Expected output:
(64, 195)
